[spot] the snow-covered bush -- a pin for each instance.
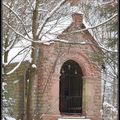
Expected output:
(109, 112)
(6, 105)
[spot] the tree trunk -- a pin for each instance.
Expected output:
(33, 71)
(30, 111)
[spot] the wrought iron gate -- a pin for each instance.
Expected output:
(71, 89)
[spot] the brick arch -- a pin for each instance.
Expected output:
(65, 88)
(79, 58)
(87, 66)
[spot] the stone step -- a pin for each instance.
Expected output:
(73, 118)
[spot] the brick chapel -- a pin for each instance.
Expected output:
(68, 83)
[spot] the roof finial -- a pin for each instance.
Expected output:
(77, 19)
(73, 2)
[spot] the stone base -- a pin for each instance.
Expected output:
(73, 118)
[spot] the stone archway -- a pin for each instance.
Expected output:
(70, 88)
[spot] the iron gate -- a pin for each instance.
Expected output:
(71, 91)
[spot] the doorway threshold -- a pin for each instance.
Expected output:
(73, 118)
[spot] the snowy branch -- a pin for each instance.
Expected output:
(109, 19)
(18, 65)
(112, 2)
(84, 43)
(10, 45)
(23, 50)
(17, 32)
(49, 15)
(60, 40)
(108, 105)
(108, 81)
(32, 8)
(18, 18)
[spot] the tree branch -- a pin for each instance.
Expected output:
(112, 2)
(18, 18)
(18, 54)
(48, 16)
(32, 8)
(17, 66)
(65, 41)
(84, 43)
(109, 19)
(17, 32)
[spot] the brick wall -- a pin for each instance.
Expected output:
(53, 57)
(16, 89)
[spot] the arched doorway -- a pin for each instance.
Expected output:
(71, 87)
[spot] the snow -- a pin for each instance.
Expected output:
(30, 59)
(110, 106)
(34, 66)
(49, 33)
(22, 46)
(83, 43)
(54, 28)
(75, 9)
(9, 118)
(87, 25)
(72, 119)
(16, 81)
(3, 85)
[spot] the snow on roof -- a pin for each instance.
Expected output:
(21, 50)
(54, 28)
(87, 25)
(75, 9)
(50, 32)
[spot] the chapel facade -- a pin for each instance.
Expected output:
(69, 80)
